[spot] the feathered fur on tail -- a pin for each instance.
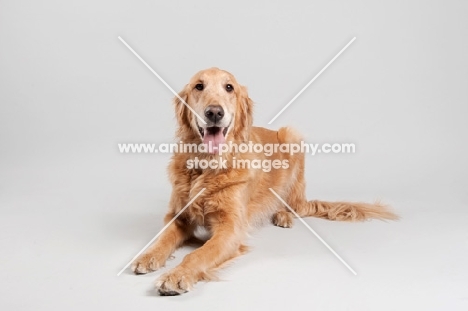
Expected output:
(346, 211)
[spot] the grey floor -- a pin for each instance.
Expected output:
(74, 211)
(69, 229)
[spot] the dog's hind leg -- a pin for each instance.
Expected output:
(283, 219)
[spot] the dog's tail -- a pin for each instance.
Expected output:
(346, 211)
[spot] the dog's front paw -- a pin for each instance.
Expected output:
(147, 263)
(175, 282)
(283, 219)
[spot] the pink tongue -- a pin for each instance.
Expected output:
(214, 140)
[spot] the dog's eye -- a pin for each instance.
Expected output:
(229, 87)
(199, 87)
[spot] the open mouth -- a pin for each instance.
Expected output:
(212, 130)
(213, 137)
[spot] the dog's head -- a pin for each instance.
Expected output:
(218, 109)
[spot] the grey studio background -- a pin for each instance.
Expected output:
(74, 210)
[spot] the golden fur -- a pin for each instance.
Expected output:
(235, 200)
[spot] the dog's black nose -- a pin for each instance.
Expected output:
(214, 113)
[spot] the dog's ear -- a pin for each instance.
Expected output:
(181, 111)
(244, 119)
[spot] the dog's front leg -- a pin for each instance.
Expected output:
(174, 235)
(225, 243)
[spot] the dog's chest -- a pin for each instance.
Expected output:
(209, 200)
(202, 210)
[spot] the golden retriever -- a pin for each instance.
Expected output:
(235, 199)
